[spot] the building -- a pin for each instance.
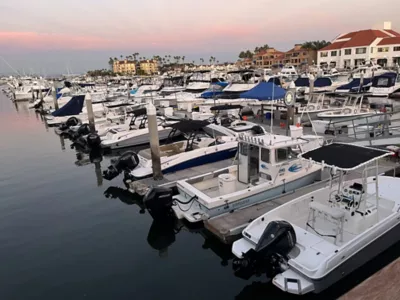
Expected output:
(124, 66)
(351, 49)
(297, 57)
(149, 66)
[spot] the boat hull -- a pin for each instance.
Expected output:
(264, 196)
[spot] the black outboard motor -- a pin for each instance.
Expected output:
(277, 240)
(72, 121)
(257, 129)
(84, 129)
(93, 140)
(158, 202)
(126, 162)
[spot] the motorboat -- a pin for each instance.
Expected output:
(288, 71)
(369, 69)
(318, 103)
(137, 132)
(204, 143)
(356, 110)
(308, 244)
(267, 167)
(385, 84)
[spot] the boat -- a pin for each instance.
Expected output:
(288, 71)
(267, 168)
(395, 94)
(309, 243)
(385, 84)
(356, 110)
(137, 132)
(318, 103)
(369, 69)
(204, 143)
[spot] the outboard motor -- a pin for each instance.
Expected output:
(72, 121)
(158, 202)
(126, 162)
(277, 240)
(84, 129)
(93, 140)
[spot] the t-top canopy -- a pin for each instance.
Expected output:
(190, 125)
(344, 157)
(226, 107)
(139, 112)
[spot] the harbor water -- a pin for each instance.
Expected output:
(66, 234)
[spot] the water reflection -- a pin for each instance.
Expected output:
(95, 157)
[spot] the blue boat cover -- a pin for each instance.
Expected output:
(133, 92)
(214, 90)
(275, 80)
(73, 107)
(385, 80)
(265, 91)
(302, 82)
(322, 82)
(354, 84)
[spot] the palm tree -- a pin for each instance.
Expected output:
(183, 59)
(121, 56)
(192, 61)
(111, 62)
(202, 60)
(315, 45)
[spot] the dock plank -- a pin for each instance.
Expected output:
(381, 285)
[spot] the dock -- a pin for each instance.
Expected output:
(381, 285)
(169, 180)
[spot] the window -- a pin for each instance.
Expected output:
(372, 49)
(265, 155)
(243, 149)
(324, 54)
(396, 48)
(361, 50)
(284, 154)
(347, 52)
(383, 49)
(333, 53)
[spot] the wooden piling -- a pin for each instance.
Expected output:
(89, 108)
(154, 141)
(54, 93)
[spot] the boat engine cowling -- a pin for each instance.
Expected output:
(72, 121)
(277, 240)
(93, 140)
(158, 202)
(126, 162)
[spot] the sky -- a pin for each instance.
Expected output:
(51, 37)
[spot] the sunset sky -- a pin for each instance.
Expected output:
(47, 36)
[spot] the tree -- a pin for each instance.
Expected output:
(111, 62)
(261, 48)
(183, 59)
(121, 56)
(315, 45)
(246, 54)
(202, 60)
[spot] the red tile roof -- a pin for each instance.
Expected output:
(358, 39)
(395, 33)
(390, 41)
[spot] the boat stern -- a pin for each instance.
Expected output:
(291, 282)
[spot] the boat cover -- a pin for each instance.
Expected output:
(385, 80)
(72, 107)
(354, 84)
(275, 80)
(302, 82)
(190, 125)
(344, 156)
(226, 107)
(322, 82)
(265, 91)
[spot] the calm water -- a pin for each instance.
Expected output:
(64, 234)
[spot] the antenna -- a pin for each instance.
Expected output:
(9, 65)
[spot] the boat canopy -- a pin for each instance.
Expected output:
(275, 80)
(345, 157)
(139, 112)
(385, 80)
(226, 107)
(72, 107)
(265, 91)
(186, 126)
(354, 84)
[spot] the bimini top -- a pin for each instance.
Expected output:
(190, 125)
(344, 157)
(226, 107)
(139, 112)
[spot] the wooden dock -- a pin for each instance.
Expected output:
(140, 187)
(381, 285)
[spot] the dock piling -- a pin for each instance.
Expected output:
(89, 108)
(54, 94)
(154, 141)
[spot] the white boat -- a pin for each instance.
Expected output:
(204, 143)
(137, 132)
(355, 111)
(288, 71)
(369, 69)
(308, 244)
(385, 84)
(267, 167)
(317, 104)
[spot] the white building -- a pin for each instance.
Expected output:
(351, 49)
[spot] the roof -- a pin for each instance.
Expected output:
(390, 41)
(395, 33)
(190, 125)
(359, 39)
(345, 157)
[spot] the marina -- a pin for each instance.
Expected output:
(274, 177)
